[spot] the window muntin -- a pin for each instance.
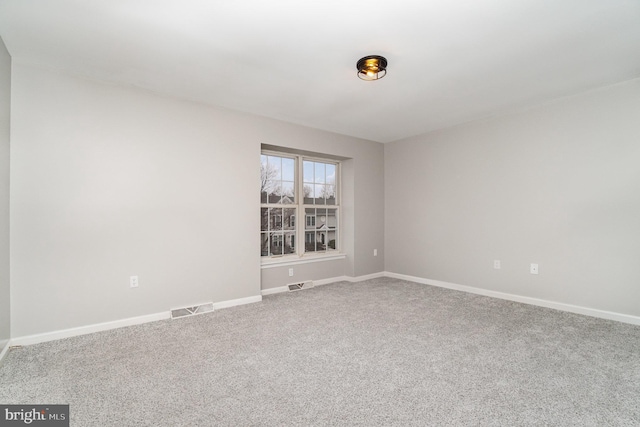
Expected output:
(319, 183)
(277, 180)
(281, 177)
(277, 197)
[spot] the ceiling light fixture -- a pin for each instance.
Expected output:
(372, 67)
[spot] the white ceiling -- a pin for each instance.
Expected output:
(450, 61)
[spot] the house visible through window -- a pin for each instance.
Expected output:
(292, 185)
(311, 221)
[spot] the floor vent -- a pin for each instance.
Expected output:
(300, 286)
(191, 311)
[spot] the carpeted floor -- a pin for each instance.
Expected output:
(380, 352)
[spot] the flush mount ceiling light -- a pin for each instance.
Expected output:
(372, 67)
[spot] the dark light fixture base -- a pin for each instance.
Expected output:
(372, 67)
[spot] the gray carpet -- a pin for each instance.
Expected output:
(380, 352)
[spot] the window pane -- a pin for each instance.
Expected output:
(331, 226)
(277, 178)
(264, 219)
(264, 249)
(323, 236)
(330, 194)
(331, 173)
(319, 173)
(321, 217)
(287, 192)
(276, 243)
(332, 218)
(307, 175)
(274, 167)
(275, 219)
(289, 219)
(310, 219)
(273, 198)
(310, 241)
(270, 177)
(320, 191)
(289, 243)
(307, 189)
(288, 168)
(264, 181)
(331, 243)
(320, 239)
(321, 229)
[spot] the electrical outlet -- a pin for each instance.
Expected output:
(290, 272)
(534, 268)
(133, 281)
(375, 252)
(496, 264)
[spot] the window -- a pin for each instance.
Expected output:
(311, 221)
(310, 238)
(277, 221)
(295, 185)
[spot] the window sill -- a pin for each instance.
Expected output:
(293, 260)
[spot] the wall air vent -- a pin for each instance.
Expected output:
(191, 311)
(300, 286)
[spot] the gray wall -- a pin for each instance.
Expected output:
(109, 182)
(5, 105)
(558, 185)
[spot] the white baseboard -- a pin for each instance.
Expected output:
(272, 291)
(236, 302)
(330, 280)
(89, 329)
(99, 327)
(366, 277)
(83, 330)
(609, 315)
(321, 282)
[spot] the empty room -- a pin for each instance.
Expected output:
(218, 213)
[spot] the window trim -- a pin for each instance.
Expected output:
(300, 255)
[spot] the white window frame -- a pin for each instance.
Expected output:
(300, 228)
